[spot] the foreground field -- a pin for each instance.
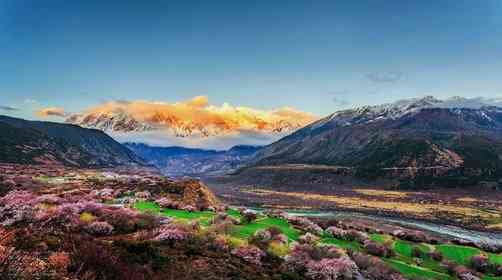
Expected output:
(412, 259)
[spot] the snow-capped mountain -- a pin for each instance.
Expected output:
(407, 107)
(124, 123)
(109, 122)
(455, 137)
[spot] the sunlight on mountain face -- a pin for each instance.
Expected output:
(194, 118)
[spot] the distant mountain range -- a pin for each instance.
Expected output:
(23, 141)
(453, 141)
(179, 161)
(123, 122)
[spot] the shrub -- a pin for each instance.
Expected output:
(143, 195)
(480, 263)
(59, 261)
(337, 232)
(411, 235)
(248, 216)
(375, 249)
(99, 228)
(299, 257)
(306, 225)
(332, 269)
(278, 249)
(449, 266)
(356, 235)
(436, 255)
(172, 235)
(165, 202)
(87, 217)
(416, 252)
(261, 238)
(250, 254)
(308, 238)
(463, 273)
(498, 270)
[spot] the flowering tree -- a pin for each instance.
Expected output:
(332, 269)
(99, 228)
(250, 254)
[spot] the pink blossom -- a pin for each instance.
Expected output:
(250, 254)
(100, 228)
(332, 269)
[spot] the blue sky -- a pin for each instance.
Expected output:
(315, 56)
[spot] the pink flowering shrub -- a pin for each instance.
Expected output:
(17, 207)
(49, 199)
(166, 202)
(222, 217)
(306, 225)
(250, 254)
(143, 195)
(99, 228)
(375, 249)
(464, 273)
(411, 235)
(337, 232)
(189, 208)
(332, 269)
(172, 235)
(308, 238)
(374, 268)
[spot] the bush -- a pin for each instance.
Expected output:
(248, 216)
(99, 228)
(375, 249)
(436, 255)
(332, 269)
(278, 249)
(59, 261)
(480, 263)
(308, 238)
(416, 252)
(172, 235)
(356, 235)
(250, 254)
(87, 217)
(463, 273)
(261, 238)
(337, 232)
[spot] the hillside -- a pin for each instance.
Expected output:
(431, 140)
(23, 141)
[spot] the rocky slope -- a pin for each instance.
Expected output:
(423, 138)
(179, 161)
(23, 141)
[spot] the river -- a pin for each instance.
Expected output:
(445, 230)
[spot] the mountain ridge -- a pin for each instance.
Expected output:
(421, 134)
(25, 141)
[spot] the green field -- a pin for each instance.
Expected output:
(403, 261)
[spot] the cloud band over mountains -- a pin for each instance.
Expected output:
(192, 118)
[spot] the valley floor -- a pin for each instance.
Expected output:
(472, 208)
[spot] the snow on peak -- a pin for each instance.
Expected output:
(400, 108)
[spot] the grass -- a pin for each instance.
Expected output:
(457, 253)
(379, 238)
(241, 231)
(403, 261)
(202, 216)
(416, 271)
(245, 231)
